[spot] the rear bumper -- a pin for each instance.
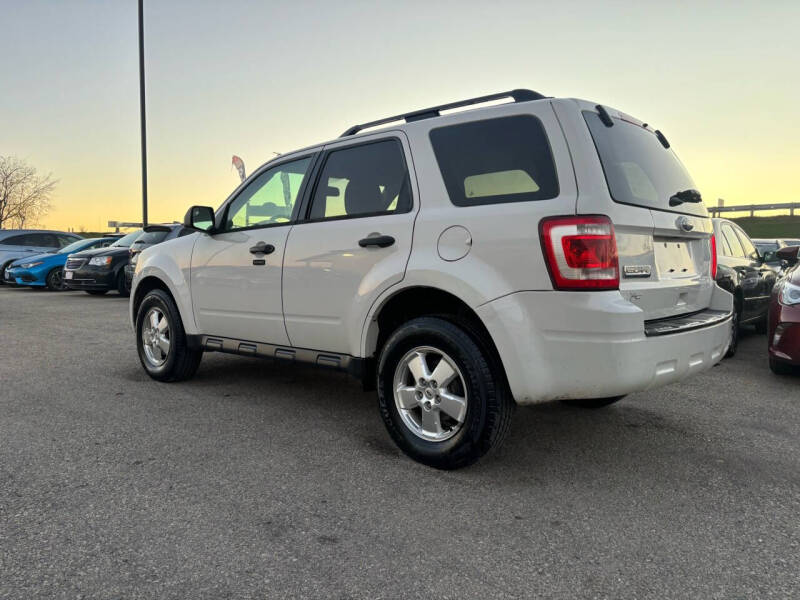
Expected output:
(571, 345)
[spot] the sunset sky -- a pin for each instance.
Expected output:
(721, 79)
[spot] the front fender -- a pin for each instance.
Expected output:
(169, 262)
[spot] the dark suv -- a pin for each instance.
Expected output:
(153, 234)
(744, 272)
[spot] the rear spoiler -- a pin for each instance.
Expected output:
(154, 228)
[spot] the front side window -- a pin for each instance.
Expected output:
(369, 179)
(270, 198)
(66, 240)
(79, 245)
(507, 159)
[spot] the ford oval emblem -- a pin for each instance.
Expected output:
(685, 223)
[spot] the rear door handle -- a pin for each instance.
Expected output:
(382, 241)
(262, 248)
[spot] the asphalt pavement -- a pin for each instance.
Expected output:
(256, 480)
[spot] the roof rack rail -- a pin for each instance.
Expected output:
(435, 111)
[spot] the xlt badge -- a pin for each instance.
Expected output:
(636, 270)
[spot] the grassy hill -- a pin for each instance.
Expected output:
(770, 227)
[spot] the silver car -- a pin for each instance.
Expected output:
(18, 243)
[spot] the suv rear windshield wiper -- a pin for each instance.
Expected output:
(685, 196)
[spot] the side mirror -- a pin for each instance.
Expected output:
(199, 218)
(788, 254)
(768, 256)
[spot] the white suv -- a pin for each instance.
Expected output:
(459, 261)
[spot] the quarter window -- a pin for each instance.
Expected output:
(726, 249)
(364, 180)
(270, 199)
(16, 240)
(497, 160)
(733, 241)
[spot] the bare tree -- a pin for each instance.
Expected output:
(24, 194)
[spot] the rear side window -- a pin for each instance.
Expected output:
(364, 180)
(749, 250)
(42, 240)
(507, 159)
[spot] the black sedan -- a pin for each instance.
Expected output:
(743, 272)
(99, 270)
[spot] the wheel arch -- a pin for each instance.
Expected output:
(417, 301)
(146, 285)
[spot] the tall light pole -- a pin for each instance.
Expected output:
(142, 112)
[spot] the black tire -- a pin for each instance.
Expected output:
(55, 280)
(593, 403)
(781, 368)
(96, 292)
(489, 403)
(122, 284)
(3, 272)
(181, 361)
(734, 331)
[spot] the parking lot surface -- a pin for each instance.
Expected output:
(260, 480)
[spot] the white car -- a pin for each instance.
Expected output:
(541, 249)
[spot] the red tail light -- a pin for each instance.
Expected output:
(581, 252)
(713, 257)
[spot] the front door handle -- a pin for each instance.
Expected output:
(382, 241)
(262, 248)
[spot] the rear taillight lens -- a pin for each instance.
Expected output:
(713, 257)
(581, 252)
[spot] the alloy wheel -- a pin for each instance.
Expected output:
(156, 339)
(430, 394)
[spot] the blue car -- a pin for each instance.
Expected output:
(47, 270)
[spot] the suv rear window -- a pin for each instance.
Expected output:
(638, 169)
(507, 159)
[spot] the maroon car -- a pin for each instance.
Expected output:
(784, 316)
